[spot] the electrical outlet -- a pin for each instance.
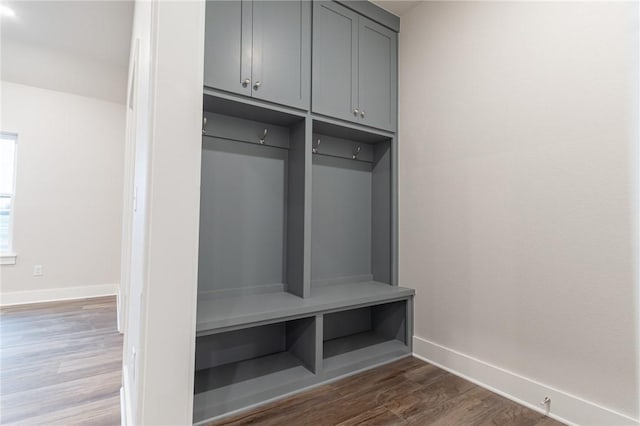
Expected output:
(37, 271)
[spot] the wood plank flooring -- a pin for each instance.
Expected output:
(60, 363)
(406, 392)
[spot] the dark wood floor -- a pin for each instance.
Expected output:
(60, 363)
(406, 392)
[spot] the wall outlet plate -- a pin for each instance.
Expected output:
(37, 271)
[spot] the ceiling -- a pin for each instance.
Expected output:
(96, 30)
(397, 7)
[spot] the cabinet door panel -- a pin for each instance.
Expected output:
(377, 74)
(227, 57)
(335, 65)
(282, 52)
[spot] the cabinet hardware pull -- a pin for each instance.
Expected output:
(204, 125)
(355, 111)
(362, 114)
(257, 85)
(264, 137)
(315, 147)
(246, 82)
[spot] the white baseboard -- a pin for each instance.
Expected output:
(119, 311)
(125, 399)
(55, 294)
(567, 408)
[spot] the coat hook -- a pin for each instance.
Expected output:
(204, 125)
(264, 137)
(315, 147)
(356, 151)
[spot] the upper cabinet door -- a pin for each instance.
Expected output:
(377, 76)
(335, 61)
(282, 52)
(227, 58)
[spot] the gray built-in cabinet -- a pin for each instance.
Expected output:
(297, 277)
(260, 49)
(354, 67)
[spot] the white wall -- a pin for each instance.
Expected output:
(518, 197)
(166, 145)
(67, 212)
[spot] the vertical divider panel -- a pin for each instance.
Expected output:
(319, 343)
(299, 210)
(394, 211)
(390, 320)
(410, 323)
(381, 214)
(302, 341)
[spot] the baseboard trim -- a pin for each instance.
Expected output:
(565, 407)
(119, 311)
(125, 399)
(56, 294)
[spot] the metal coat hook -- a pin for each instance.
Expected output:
(315, 147)
(264, 137)
(356, 151)
(204, 125)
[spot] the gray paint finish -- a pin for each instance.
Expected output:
(235, 346)
(345, 323)
(237, 129)
(260, 49)
(298, 253)
(242, 215)
(335, 64)
(301, 341)
(381, 215)
(218, 315)
(347, 198)
(377, 75)
(342, 148)
(351, 131)
(354, 67)
(390, 320)
(297, 250)
(227, 45)
(376, 336)
(282, 52)
(220, 102)
(340, 219)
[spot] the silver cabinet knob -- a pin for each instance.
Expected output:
(246, 82)
(355, 112)
(362, 114)
(256, 85)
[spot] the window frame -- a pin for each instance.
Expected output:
(9, 256)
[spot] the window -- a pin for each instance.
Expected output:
(7, 188)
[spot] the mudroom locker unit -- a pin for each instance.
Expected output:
(297, 280)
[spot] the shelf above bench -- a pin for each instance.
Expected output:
(226, 313)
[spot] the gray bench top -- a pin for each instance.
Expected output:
(226, 312)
